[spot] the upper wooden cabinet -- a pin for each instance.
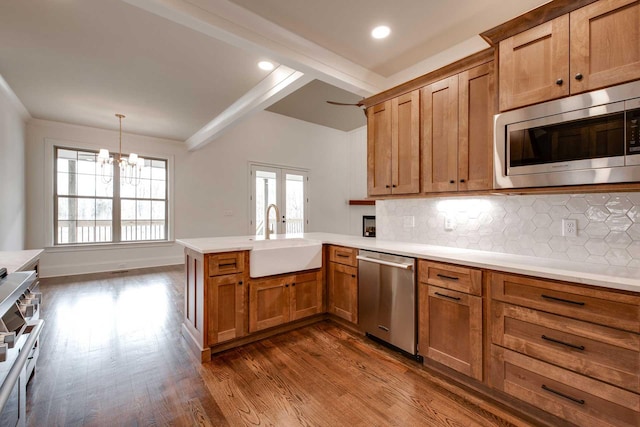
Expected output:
(457, 131)
(393, 146)
(592, 47)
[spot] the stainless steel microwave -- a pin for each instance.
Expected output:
(591, 138)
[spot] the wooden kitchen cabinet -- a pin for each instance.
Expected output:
(342, 283)
(590, 48)
(457, 131)
(226, 307)
(225, 294)
(277, 300)
(450, 322)
(393, 146)
(571, 350)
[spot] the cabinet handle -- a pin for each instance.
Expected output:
(462, 180)
(579, 76)
(447, 296)
(229, 264)
(559, 82)
(240, 282)
(573, 399)
(562, 300)
(444, 276)
(577, 347)
(342, 256)
(452, 181)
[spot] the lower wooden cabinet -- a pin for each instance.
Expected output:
(277, 300)
(450, 329)
(226, 304)
(343, 291)
(576, 398)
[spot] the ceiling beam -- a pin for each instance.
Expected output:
(279, 83)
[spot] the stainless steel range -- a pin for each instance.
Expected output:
(387, 299)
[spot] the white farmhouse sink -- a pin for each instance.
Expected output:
(269, 257)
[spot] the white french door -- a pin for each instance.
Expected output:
(287, 189)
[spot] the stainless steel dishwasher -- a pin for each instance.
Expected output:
(387, 298)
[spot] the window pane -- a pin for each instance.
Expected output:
(158, 210)
(143, 189)
(104, 209)
(86, 209)
(86, 185)
(127, 190)
(128, 209)
(158, 189)
(295, 203)
(265, 195)
(144, 210)
(159, 170)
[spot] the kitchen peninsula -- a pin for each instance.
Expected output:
(489, 301)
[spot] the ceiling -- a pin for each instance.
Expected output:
(186, 69)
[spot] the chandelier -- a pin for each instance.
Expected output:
(130, 167)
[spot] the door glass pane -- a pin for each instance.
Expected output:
(294, 189)
(265, 195)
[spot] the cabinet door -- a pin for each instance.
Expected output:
(440, 136)
(475, 128)
(534, 65)
(306, 295)
(343, 291)
(226, 307)
(605, 44)
(379, 149)
(450, 329)
(268, 303)
(405, 149)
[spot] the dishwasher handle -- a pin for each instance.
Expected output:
(383, 262)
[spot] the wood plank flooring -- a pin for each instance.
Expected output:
(112, 354)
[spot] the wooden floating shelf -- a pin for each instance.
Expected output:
(362, 202)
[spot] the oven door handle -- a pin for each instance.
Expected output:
(387, 263)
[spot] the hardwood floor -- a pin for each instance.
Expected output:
(112, 354)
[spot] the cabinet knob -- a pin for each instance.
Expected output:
(452, 182)
(293, 284)
(353, 275)
(286, 285)
(559, 82)
(462, 180)
(240, 282)
(386, 186)
(394, 186)
(579, 76)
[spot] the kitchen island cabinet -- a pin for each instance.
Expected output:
(342, 282)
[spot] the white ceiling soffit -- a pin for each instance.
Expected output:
(309, 103)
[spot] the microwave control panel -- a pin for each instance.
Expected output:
(633, 131)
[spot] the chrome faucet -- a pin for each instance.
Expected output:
(267, 231)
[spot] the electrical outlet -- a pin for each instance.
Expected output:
(569, 228)
(449, 223)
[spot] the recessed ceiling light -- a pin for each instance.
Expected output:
(380, 32)
(265, 65)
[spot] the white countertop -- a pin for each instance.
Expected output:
(623, 278)
(17, 260)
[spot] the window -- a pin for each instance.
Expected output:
(90, 208)
(287, 189)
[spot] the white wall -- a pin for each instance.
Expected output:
(358, 179)
(12, 176)
(207, 182)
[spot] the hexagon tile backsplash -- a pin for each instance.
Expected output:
(608, 225)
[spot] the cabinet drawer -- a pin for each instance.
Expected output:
(342, 255)
(616, 309)
(226, 263)
(576, 398)
(462, 279)
(608, 354)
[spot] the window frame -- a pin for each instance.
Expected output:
(50, 194)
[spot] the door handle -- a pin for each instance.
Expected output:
(383, 262)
